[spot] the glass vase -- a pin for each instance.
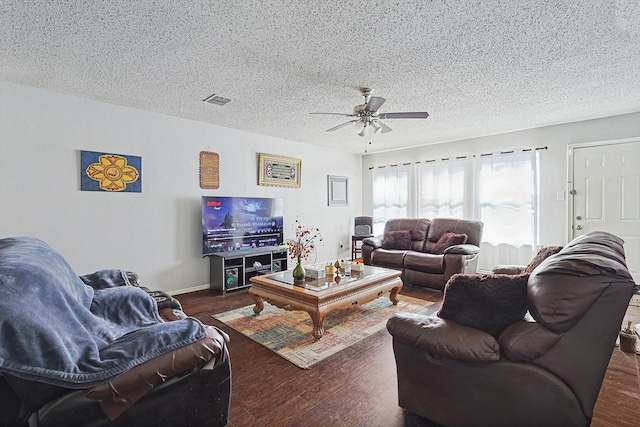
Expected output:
(298, 272)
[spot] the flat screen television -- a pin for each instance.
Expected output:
(241, 223)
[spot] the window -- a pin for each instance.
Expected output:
(390, 195)
(499, 190)
(505, 199)
(506, 202)
(441, 189)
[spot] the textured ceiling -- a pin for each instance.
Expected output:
(478, 67)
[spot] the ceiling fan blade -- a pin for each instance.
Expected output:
(375, 102)
(410, 115)
(342, 125)
(384, 127)
(336, 114)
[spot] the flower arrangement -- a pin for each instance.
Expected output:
(304, 243)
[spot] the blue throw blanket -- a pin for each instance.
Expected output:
(56, 329)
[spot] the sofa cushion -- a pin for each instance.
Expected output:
(527, 340)
(439, 226)
(390, 258)
(489, 302)
(449, 239)
(424, 262)
(397, 240)
(541, 256)
(418, 226)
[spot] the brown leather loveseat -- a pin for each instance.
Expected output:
(428, 252)
(545, 369)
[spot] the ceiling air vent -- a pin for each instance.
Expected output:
(217, 100)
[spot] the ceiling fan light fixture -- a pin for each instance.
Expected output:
(364, 130)
(367, 115)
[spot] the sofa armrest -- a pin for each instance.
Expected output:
(444, 338)
(122, 392)
(465, 249)
(508, 269)
(376, 242)
(117, 395)
(370, 244)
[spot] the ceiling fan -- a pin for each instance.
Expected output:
(367, 115)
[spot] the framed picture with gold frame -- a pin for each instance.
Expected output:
(278, 171)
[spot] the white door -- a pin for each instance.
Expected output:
(606, 195)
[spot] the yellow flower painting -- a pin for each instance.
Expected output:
(111, 172)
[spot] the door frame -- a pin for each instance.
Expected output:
(570, 169)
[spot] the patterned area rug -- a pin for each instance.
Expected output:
(288, 333)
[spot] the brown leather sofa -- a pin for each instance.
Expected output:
(544, 370)
(419, 263)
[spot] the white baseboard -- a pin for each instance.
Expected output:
(187, 290)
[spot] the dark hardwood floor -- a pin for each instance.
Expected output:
(357, 386)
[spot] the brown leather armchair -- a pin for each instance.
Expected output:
(99, 350)
(544, 370)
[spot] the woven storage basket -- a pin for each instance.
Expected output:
(628, 342)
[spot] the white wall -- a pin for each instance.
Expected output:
(553, 163)
(156, 233)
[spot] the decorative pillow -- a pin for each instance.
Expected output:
(448, 239)
(489, 302)
(397, 240)
(543, 254)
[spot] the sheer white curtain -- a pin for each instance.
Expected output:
(506, 201)
(501, 190)
(390, 195)
(441, 189)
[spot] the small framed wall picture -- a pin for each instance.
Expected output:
(337, 190)
(209, 170)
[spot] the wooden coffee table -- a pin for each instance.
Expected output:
(319, 297)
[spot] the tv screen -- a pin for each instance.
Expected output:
(240, 223)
